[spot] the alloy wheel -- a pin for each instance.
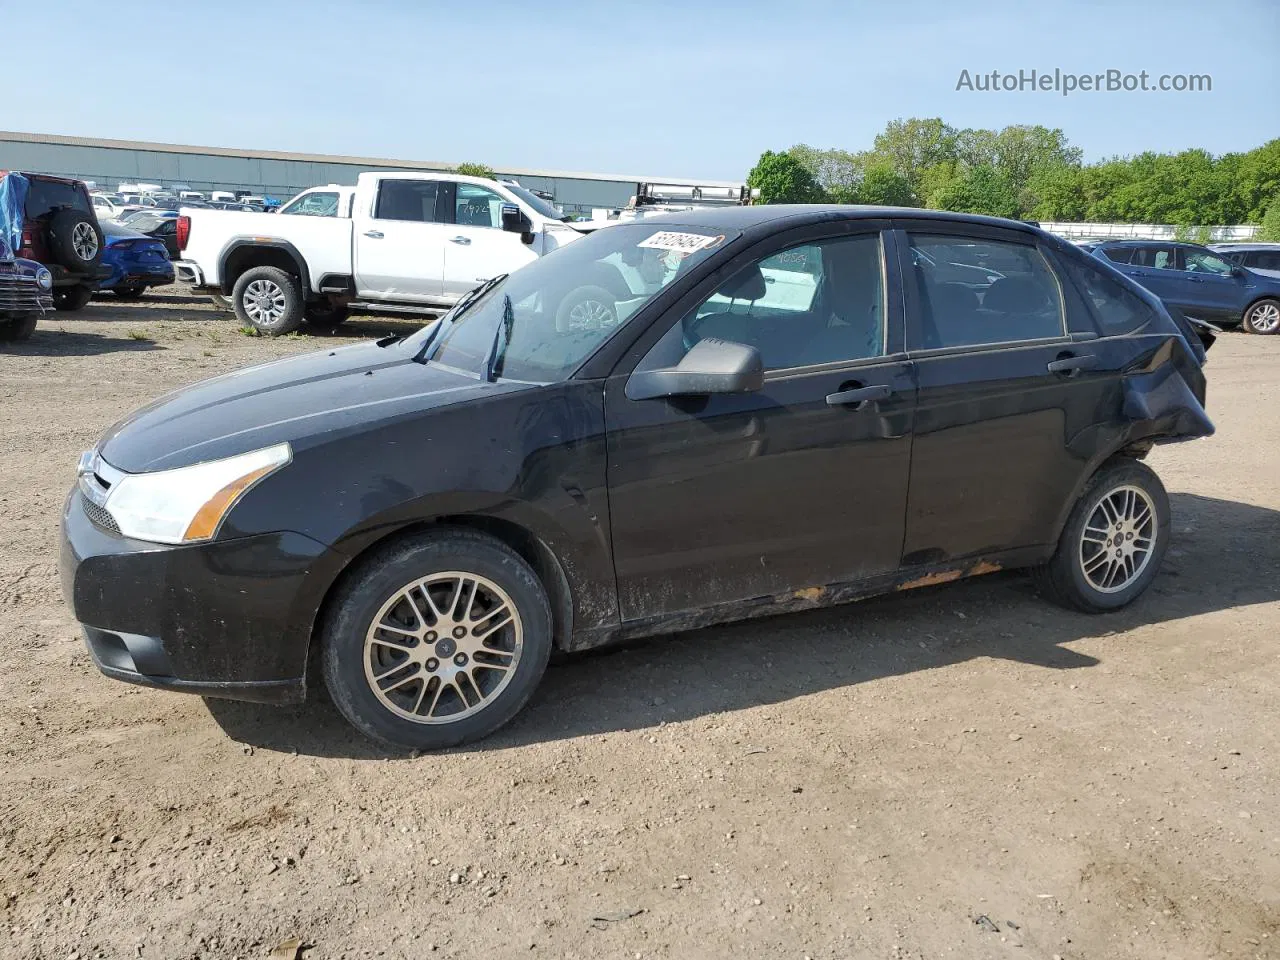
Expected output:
(264, 302)
(1265, 318)
(84, 240)
(1118, 539)
(590, 315)
(443, 648)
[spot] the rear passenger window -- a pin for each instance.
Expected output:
(973, 292)
(1115, 310)
(1264, 260)
(413, 200)
(1119, 254)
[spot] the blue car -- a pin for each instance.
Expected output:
(136, 261)
(1196, 282)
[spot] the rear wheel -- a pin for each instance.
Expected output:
(132, 292)
(1263, 317)
(1112, 545)
(325, 317)
(17, 328)
(587, 308)
(269, 300)
(69, 299)
(437, 641)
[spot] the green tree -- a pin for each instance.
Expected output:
(474, 170)
(781, 178)
(1271, 221)
(912, 146)
(1020, 151)
(982, 189)
(881, 184)
(838, 172)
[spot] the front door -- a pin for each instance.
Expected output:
(399, 244)
(798, 485)
(476, 247)
(1216, 294)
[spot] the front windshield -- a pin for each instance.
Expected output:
(543, 321)
(545, 209)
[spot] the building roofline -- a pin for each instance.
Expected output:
(372, 162)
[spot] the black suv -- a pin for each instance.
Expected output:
(60, 230)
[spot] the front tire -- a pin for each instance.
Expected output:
(1113, 542)
(1263, 317)
(17, 328)
(437, 641)
(325, 317)
(269, 300)
(70, 299)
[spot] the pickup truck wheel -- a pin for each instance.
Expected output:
(325, 317)
(587, 308)
(1263, 317)
(269, 300)
(68, 299)
(20, 327)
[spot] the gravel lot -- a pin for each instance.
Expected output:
(962, 771)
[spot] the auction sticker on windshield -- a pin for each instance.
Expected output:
(681, 242)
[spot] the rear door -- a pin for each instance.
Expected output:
(797, 485)
(1005, 385)
(399, 243)
(476, 247)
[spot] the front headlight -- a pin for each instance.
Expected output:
(44, 279)
(187, 505)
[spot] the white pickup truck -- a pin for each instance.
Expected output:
(413, 240)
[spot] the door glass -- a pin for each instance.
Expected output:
(411, 200)
(477, 207)
(820, 302)
(1263, 260)
(1159, 258)
(1202, 261)
(1119, 254)
(1115, 309)
(974, 292)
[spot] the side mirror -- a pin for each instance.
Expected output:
(1237, 271)
(514, 221)
(712, 366)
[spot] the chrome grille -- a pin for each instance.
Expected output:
(98, 515)
(20, 293)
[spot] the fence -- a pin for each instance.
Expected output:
(1150, 231)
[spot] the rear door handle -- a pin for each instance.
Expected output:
(375, 234)
(1070, 365)
(462, 240)
(857, 396)
(1137, 273)
(1195, 279)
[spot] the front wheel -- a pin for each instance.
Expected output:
(1263, 317)
(1113, 542)
(14, 328)
(325, 317)
(69, 299)
(269, 300)
(437, 641)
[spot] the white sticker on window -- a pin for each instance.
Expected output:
(679, 242)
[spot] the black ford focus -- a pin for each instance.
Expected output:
(668, 423)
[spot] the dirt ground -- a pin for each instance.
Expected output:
(962, 771)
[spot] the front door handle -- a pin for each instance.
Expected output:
(1071, 365)
(857, 396)
(462, 240)
(1137, 273)
(1195, 279)
(375, 234)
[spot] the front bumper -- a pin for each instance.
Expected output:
(223, 619)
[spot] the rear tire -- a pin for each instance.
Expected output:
(75, 240)
(1263, 317)
(269, 300)
(70, 299)
(129, 293)
(1113, 542)
(404, 686)
(325, 317)
(17, 328)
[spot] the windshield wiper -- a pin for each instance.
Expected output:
(493, 360)
(456, 311)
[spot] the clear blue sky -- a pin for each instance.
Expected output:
(691, 88)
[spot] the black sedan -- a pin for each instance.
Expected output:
(665, 424)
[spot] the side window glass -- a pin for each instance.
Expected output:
(1201, 261)
(1164, 260)
(974, 292)
(820, 302)
(1119, 254)
(315, 205)
(1265, 260)
(410, 200)
(477, 207)
(1115, 310)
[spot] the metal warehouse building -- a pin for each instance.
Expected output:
(109, 163)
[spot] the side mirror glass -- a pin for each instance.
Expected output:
(512, 219)
(712, 366)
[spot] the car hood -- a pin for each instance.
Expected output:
(301, 400)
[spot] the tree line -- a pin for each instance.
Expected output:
(1027, 172)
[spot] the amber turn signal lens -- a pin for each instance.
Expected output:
(208, 517)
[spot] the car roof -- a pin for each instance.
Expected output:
(1146, 243)
(798, 214)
